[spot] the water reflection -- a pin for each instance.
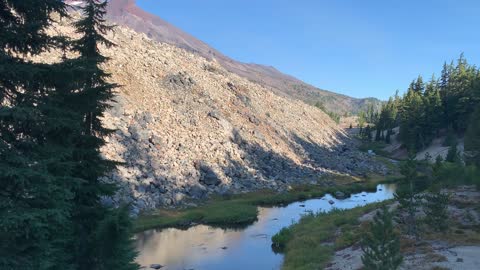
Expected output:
(207, 248)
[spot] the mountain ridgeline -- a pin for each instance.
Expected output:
(127, 13)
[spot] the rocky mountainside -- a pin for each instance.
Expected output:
(187, 128)
(127, 13)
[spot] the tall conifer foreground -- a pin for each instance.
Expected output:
(103, 239)
(35, 192)
(51, 215)
(381, 244)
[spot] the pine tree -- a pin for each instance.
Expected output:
(405, 195)
(418, 85)
(94, 222)
(35, 200)
(453, 155)
(388, 139)
(435, 207)
(381, 245)
(472, 140)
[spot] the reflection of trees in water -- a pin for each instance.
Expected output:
(199, 244)
(391, 188)
(173, 246)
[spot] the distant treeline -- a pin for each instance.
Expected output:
(449, 104)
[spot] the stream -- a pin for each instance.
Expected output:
(208, 248)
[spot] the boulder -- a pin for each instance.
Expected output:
(179, 197)
(197, 191)
(209, 177)
(215, 114)
(340, 195)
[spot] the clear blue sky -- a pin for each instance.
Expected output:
(356, 47)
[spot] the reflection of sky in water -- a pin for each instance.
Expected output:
(200, 247)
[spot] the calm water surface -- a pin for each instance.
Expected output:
(207, 248)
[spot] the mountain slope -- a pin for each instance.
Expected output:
(127, 13)
(186, 127)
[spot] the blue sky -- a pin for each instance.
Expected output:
(356, 47)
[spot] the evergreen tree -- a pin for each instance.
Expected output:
(381, 245)
(35, 199)
(388, 137)
(452, 155)
(411, 117)
(405, 195)
(95, 222)
(472, 140)
(435, 207)
(428, 109)
(418, 85)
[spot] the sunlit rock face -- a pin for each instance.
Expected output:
(127, 13)
(187, 128)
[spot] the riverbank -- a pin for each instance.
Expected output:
(330, 241)
(311, 243)
(240, 210)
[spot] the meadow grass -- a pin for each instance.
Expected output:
(239, 210)
(311, 243)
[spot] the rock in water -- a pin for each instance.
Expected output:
(340, 195)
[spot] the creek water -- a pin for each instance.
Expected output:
(208, 248)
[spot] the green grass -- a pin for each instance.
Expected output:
(240, 210)
(311, 243)
(231, 213)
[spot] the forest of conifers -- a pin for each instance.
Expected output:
(449, 105)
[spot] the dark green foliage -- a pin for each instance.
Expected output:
(450, 138)
(453, 174)
(409, 169)
(51, 134)
(34, 162)
(435, 207)
(452, 155)
(388, 137)
(381, 244)
(472, 140)
(115, 242)
(405, 195)
(426, 109)
(94, 222)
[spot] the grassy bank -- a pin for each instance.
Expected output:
(311, 243)
(239, 210)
